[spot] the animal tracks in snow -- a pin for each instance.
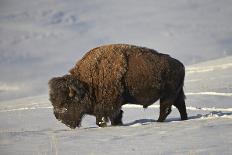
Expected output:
(25, 108)
(192, 70)
(210, 93)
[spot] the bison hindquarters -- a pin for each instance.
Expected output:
(179, 103)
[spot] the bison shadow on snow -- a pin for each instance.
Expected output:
(110, 76)
(197, 116)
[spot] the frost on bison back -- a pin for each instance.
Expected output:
(110, 76)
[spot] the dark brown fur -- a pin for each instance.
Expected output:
(110, 76)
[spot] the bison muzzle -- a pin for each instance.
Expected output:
(110, 76)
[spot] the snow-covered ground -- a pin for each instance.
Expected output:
(29, 127)
(41, 39)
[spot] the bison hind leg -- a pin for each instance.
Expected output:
(180, 105)
(165, 109)
(117, 119)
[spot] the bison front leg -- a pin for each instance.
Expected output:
(101, 121)
(165, 109)
(117, 119)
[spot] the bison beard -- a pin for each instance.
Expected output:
(110, 76)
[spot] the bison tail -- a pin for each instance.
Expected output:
(181, 94)
(180, 90)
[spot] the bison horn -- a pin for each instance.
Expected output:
(71, 92)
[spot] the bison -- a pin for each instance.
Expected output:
(110, 76)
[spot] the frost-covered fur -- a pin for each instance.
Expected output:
(110, 76)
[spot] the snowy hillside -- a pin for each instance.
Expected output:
(29, 127)
(44, 38)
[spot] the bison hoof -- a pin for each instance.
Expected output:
(184, 118)
(102, 124)
(160, 120)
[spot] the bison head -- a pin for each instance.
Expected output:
(66, 94)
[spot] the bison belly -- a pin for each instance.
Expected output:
(143, 79)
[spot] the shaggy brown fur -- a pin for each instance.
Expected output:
(110, 76)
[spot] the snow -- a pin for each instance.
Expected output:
(29, 127)
(41, 39)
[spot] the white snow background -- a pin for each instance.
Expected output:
(45, 38)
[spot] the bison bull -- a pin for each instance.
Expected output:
(110, 76)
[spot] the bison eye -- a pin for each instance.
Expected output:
(77, 93)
